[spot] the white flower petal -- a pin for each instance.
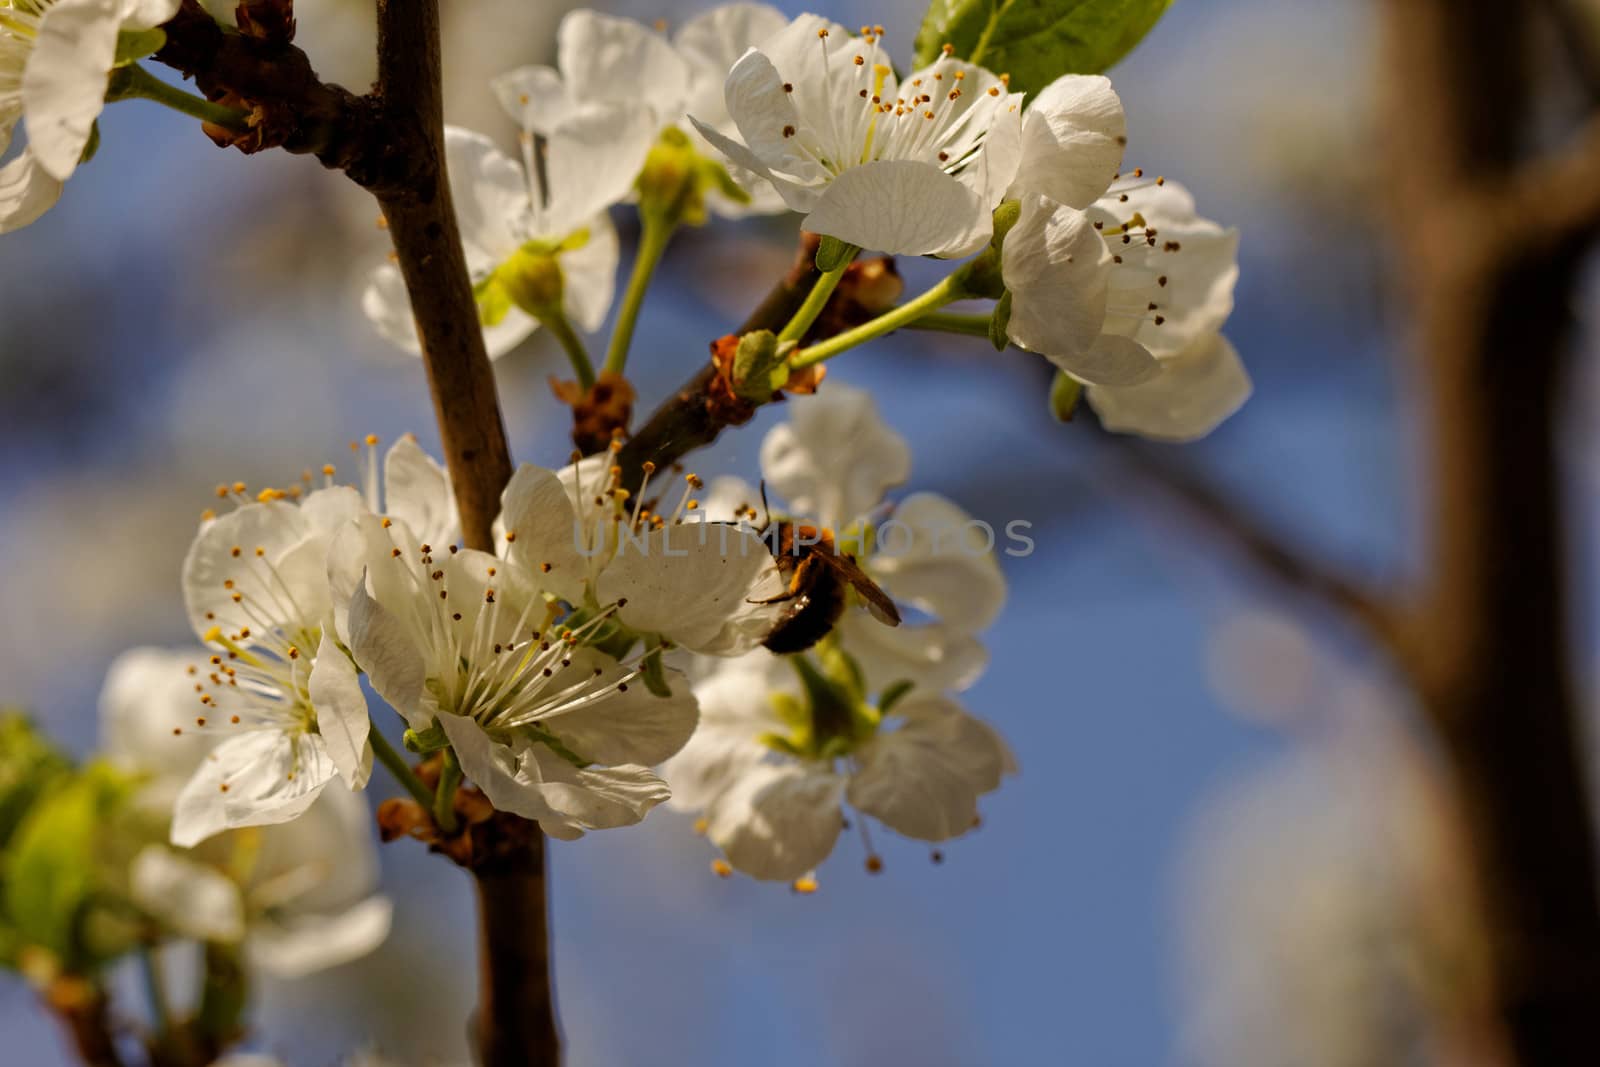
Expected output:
(1191, 396)
(778, 822)
(945, 566)
(417, 491)
(147, 693)
(328, 510)
(835, 457)
(934, 655)
(64, 83)
(146, 14)
(798, 196)
(269, 778)
(635, 726)
(490, 191)
(191, 898)
(1073, 137)
(589, 275)
(712, 42)
(299, 945)
(591, 162)
(924, 779)
(536, 511)
(222, 562)
(387, 306)
(342, 717)
(1112, 361)
(535, 98)
(1057, 267)
(605, 58)
(901, 207)
(384, 648)
(26, 192)
(692, 583)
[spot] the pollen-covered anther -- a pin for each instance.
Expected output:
(805, 885)
(874, 864)
(721, 868)
(511, 535)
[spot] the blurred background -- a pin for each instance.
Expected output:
(1222, 819)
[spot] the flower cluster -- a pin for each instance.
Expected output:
(785, 742)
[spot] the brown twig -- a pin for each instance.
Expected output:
(82, 1007)
(1494, 250)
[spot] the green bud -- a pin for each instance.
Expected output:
(424, 742)
(760, 367)
(671, 182)
(531, 279)
(999, 321)
(1005, 217)
(1064, 394)
(653, 671)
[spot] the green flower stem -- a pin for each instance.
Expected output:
(444, 799)
(952, 322)
(397, 766)
(134, 82)
(815, 302)
(655, 234)
(947, 291)
(556, 322)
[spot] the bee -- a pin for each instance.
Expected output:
(819, 578)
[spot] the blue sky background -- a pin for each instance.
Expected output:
(188, 316)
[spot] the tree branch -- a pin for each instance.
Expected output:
(1271, 555)
(1494, 673)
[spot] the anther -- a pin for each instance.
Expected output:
(721, 867)
(874, 864)
(805, 885)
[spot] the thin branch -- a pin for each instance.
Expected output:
(1269, 553)
(1579, 30)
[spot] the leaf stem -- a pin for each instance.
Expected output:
(134, 82)
(988, 31)
(816, 300)
(655, 234)
(397, 766)
(945, 292)
(557, 323)
(952, 322)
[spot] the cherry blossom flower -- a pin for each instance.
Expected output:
(538, 241)
(833, 463)
(55, 59)
(778, 758)
(1128, 297)
(548, 728)
(298, 897)
(606, 60)
(694, 585)
(277, 692)
(911, 167)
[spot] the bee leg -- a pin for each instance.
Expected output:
(796, 584)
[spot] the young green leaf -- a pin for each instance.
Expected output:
(1037, 41)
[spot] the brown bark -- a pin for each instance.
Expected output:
(1491, 287)
(84, 1012)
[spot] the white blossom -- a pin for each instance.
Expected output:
(536, 234)
(55, 59)
(697, 586)
(548, 728)
(277, 692)
(832, 463)
(1128, 297)
(611, 61)
(298, 897)
(774, 771)
(911, 167)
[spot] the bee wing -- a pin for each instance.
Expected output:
(878, 601)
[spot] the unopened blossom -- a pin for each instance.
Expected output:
(1128, 297)
(547, 727)
(696, 586)
(619, 62)
(777, 762)
(536, 234)
(277, 694)
(831, 465)
(298, 897)
(908, 167)
(56, 57)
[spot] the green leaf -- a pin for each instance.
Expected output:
(29, 765)
(52, 863)
(134, 45)
(1037, 41)
(893, 694)
(833, 253)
